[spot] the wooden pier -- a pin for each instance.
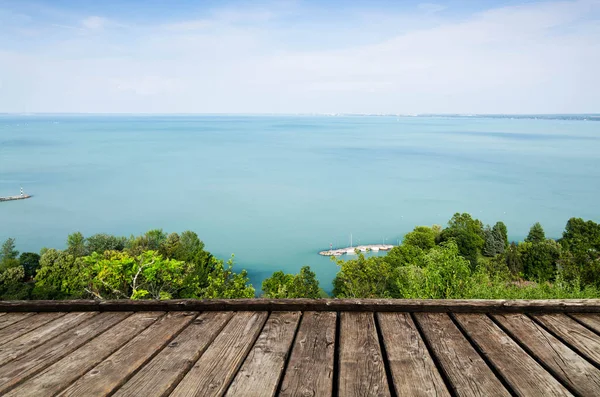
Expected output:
(360, 248)
(303, 347)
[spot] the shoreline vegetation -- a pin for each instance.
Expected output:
(464, 260)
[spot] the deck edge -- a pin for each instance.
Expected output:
(372, 305)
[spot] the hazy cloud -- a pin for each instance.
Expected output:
(532, 58)
(94, 22)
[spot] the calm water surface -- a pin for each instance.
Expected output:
(275, 190)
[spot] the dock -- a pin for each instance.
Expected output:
(360, 248)
(300, 347)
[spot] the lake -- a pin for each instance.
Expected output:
(274, 190)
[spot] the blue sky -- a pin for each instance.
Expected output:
(293, 56)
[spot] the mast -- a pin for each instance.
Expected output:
(350, 240)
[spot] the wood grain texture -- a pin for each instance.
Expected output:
(22, 327)
(361, 368)
(65, 371)
(413, 371)
(216, 368)
(590, 320)
(111, 373)
(260, 374)
(360, 305)
(11, 318)
(16, 347)
(564, 363)
(524, 375)
(165, 371)
(45, 355)
(310, 369)
(467, 371)
(575, 334)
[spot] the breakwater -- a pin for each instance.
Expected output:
(11, 198)
(360, 248)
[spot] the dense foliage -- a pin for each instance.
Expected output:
(301, 285)
(152, 266)
(467, 259)
(470, 260)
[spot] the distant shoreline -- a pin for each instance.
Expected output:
(523, 116)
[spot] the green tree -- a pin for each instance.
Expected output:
(363, 278)
(414, 247)
(152, 240)
(30, 262)
(536, 234)
(513, 259)
(76, 245)
(190, 249)
(170, 245)
(8, 254)
(155, 239)
(224, 283)
(405, 255)
(500, 230)
(301, 285)
(102, 242)
(468, 235)
(12, 285)
(581, 247)
(60, 276)
(446, 275)
(116, 275)
(422, 237)
(496, 240)
(540, 259)
(490, 244)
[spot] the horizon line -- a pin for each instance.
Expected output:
(296, 114)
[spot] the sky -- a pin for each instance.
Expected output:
(294, 56)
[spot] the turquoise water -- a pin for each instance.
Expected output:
(275, 190)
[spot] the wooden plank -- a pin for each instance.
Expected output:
(12, 318)
(575, 334)
(467, 371)
(65, 371)
(30, 340)
(160, 376)
(22, 327)
(213, 372)
(360, 305)
(262, 369)
(413, 371)
(524, 375)
(590, 320)
(361, 370)
(564, 363)
(310, 369)
(45, 355)
(114, 371)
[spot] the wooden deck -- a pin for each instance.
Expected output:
(300, 348)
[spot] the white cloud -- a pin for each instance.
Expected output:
(432, 7)
(94, 22)
(537, 58)
(189, 25)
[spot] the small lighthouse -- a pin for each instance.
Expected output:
(22, 194)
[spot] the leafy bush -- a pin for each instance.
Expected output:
(301, 285)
